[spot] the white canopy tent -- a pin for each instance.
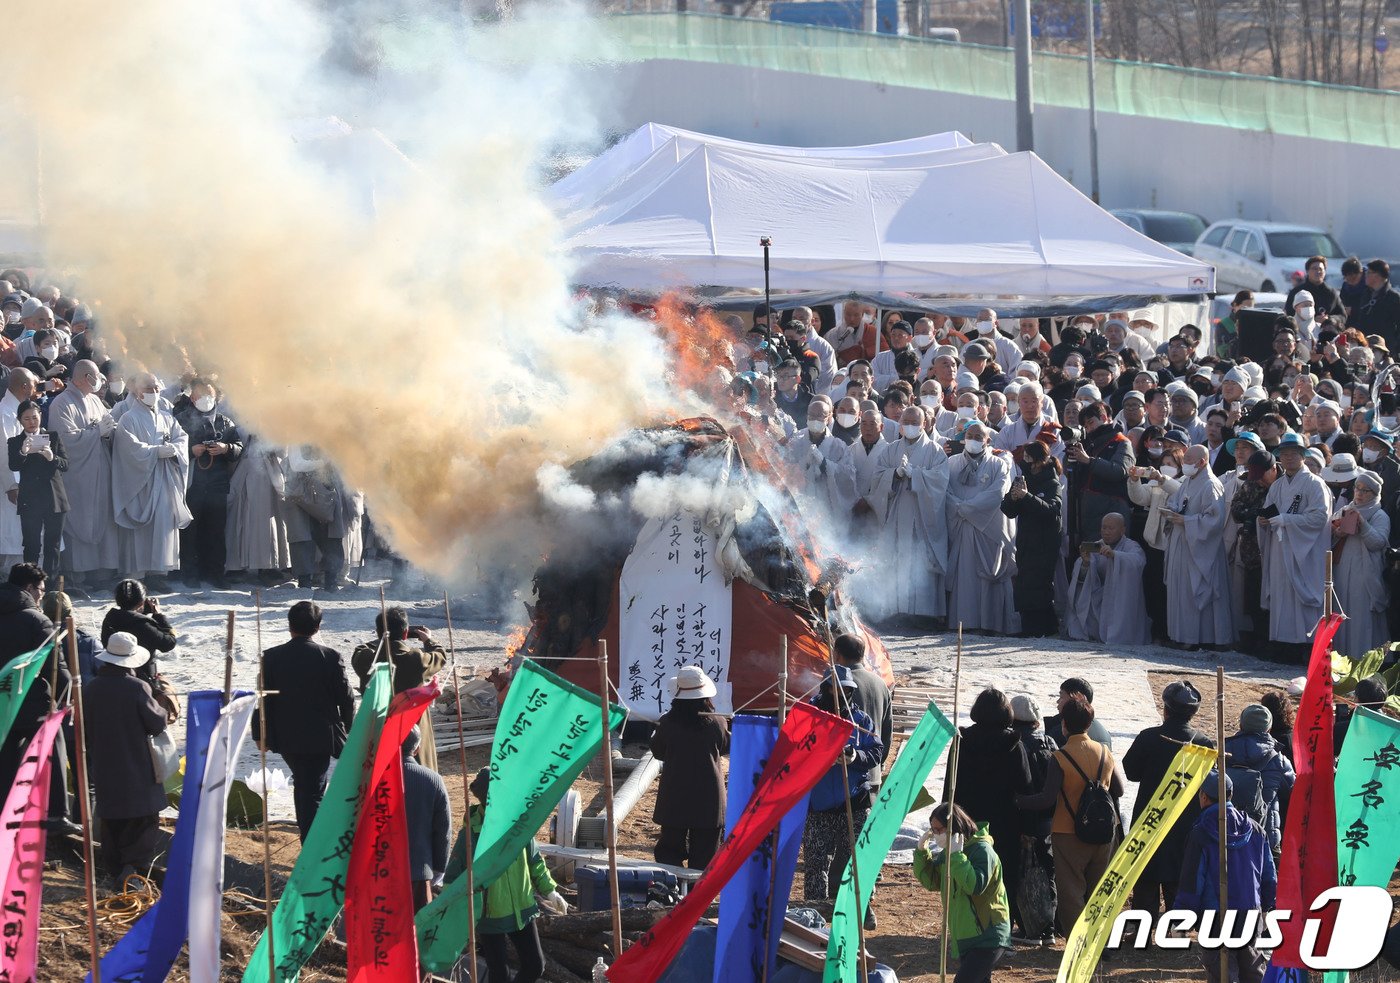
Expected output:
(600, 173)
(1001, 225)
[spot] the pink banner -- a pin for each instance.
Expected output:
(22, 855)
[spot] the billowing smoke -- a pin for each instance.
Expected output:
(413, 320)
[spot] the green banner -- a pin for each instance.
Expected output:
(16, 677)
(547, 732)
(1368, 792)
(315, 891)
(896, 800)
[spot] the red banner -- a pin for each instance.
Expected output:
(1309, 862)
(381, 944)
(807, 745)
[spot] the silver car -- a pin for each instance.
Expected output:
(1267, 256)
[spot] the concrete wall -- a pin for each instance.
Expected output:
(1348, 189)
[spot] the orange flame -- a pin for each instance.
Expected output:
(516, 641)
(699, 341)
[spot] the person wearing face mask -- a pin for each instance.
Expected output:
(1197, 576)
(1035, 504)
(1361, 534)
(1294, 536)
(908, 496)
(215, 445)
(1149, 492)
(825, 464)
(925, 342)
(44, 363)
(1247, 496)
(846, 426)
(113, 392)
(981, 550)
(82, 419)
(865, 460)
(150, 472)
(1005, 354)
(810, 348)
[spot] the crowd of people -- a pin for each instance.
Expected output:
(1023, 478)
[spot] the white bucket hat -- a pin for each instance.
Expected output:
(691, 683)
(123, 651)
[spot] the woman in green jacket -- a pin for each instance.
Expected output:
(510, 909)
(979, 919)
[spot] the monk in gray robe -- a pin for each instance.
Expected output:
(981, 539)
(828, 473)
(82, 419)
(1293, 545)
(150, 472)
(1197, 574)
(865, 453)
(1106, 599)
(256, 531)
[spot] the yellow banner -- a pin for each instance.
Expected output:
(1188, 769)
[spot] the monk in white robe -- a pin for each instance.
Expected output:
(82, 419)
(1197, 574)
(1106, 600)
(981, 539)
(1293, 545)
(865, 454)
(23, 385)
(150, 472)
(256, 533)
(828, 473)
(1359, 569)
(911, 482)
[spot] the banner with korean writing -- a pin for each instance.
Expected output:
(380, 943)
(808, 743)
(1177, 789)
(16, 678)
(207, 859)
(547, 732)
(150, 946)
(315, 891)
(895, 801)
(22, 854)
(675, 610)
(747, 902)
(1308, 864)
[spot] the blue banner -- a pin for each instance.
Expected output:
(149, 948)
(743, 902)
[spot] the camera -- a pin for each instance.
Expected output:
(1072, 435)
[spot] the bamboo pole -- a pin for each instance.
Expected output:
(1221, 803)
(775, 840)
(843, 700)
(85, 810)
(466, 797)
(228, 660)
(384, 635)
(611, 831)
(950, 791)
(267, 798)
(54, 657)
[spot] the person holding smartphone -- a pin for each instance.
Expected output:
(36, 455)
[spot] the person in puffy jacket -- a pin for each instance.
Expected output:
(1251, 877)
(1254, 748)
(979, 918)
(826, 840)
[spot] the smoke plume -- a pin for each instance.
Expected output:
(417, 326)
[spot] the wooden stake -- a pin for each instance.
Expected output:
(1222, 800)
(843, 700)
(89, 865)
(773, 836)
(466, 798)
(228, 661)
(267, 797)
(611, 831)
(949, 793)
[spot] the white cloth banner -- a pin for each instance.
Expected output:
(676, 610)
(207, 860)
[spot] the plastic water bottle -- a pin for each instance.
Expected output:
(600, 971)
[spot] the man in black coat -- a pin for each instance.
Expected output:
(1147, 763)
(1325, 299)
(23, 628)
(872, 695)
(1379, 313)
(215, 447)
(310, 711)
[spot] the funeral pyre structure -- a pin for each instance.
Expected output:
(693, 552)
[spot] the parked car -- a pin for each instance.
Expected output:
(1180, 230)
(1267, 256)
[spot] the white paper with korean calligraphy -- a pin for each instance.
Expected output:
(676, 610)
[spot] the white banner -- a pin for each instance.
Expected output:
(207, 860)
(676, 610)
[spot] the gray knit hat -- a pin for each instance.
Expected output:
(1256, 719)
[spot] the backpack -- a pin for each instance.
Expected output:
(1096, 819)
(1247, 795)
